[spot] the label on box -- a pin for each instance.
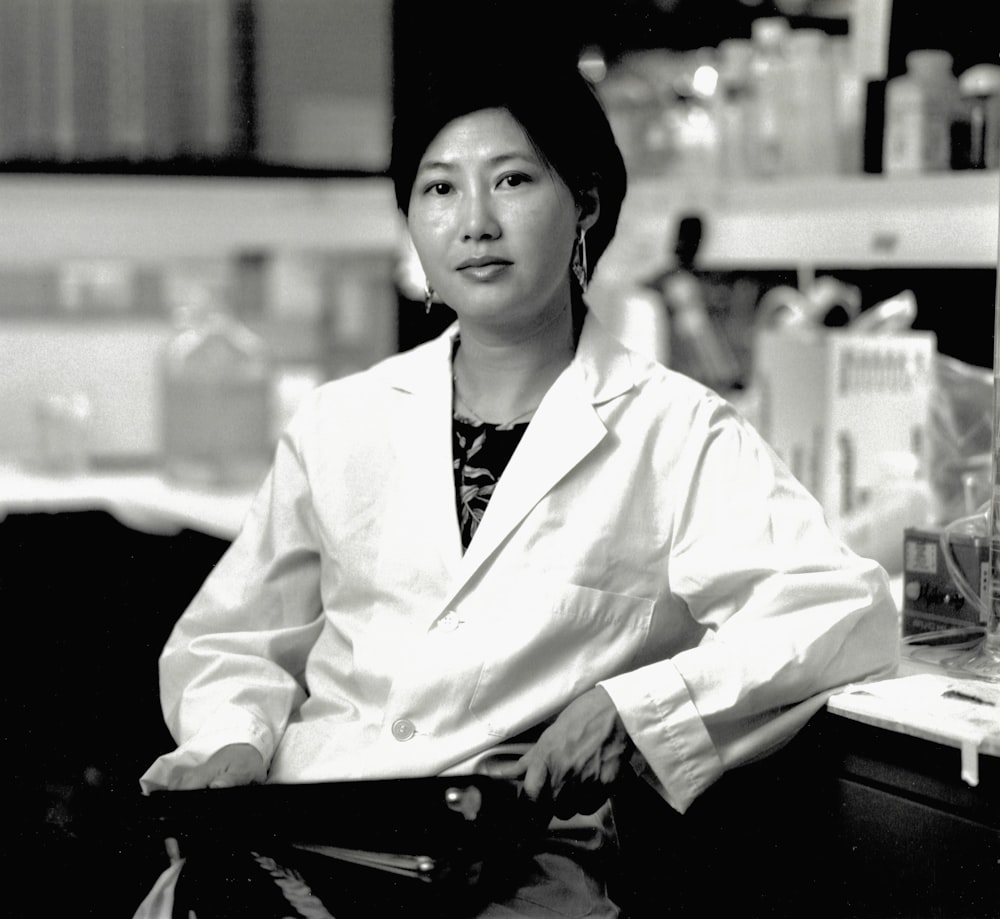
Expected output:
(921, 556)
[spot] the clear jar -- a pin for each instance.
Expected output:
(920, 107)
(216, 398)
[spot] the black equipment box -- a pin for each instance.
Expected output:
(932, 600)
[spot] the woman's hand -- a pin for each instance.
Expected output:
(234, 764)
(576, 760)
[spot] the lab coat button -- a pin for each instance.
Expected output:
(403, 729)
(449, 621)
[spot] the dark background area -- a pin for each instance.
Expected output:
(424, 31)
(88, 604)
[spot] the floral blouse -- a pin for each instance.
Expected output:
(481, 452)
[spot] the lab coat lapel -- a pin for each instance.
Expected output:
(423, 378)
(564, 430)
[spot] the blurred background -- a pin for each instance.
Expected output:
(163, 162)
(196, 228)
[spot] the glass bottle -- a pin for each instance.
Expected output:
(216, 396)
(920, 106)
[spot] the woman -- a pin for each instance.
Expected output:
(518, 531)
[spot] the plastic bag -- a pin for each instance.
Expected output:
(901, 499)
(960, 438)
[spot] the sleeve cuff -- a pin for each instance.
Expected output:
(228, 725)
(667, 731)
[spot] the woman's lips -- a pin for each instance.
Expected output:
(484, 268)
(485, 272)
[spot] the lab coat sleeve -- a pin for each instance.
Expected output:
(790, 613)
(231, 671)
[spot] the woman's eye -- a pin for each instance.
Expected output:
(514, 179)
(438, 188)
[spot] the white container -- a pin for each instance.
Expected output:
(810, 143)
(920, 106)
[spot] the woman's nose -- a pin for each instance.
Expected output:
(479, 220)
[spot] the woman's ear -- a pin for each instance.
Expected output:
(589, 206)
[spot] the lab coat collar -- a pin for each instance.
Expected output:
(603, 363)
(565, 429)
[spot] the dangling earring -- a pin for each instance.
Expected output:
(579, 263)
(428, 298)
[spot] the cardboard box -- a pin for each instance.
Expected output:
(835, 404)
(932, 598)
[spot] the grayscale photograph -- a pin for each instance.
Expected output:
(479, 459)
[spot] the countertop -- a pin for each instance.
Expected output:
(934, 698)
(143, 499)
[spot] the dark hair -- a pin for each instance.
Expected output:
(552, 101)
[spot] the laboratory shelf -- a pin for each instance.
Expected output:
(946, 220)
(46, 218)
(862, 221)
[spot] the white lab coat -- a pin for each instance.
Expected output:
(643, 538)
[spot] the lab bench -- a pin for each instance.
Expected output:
(850, 821)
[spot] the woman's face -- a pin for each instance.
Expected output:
(492, 224)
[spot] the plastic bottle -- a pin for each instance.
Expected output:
(216, 397)
(732, 103)
(850, 104)
(920, 106)
(768, 74)
(810, 143)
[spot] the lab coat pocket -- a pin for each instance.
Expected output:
(543, 643)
